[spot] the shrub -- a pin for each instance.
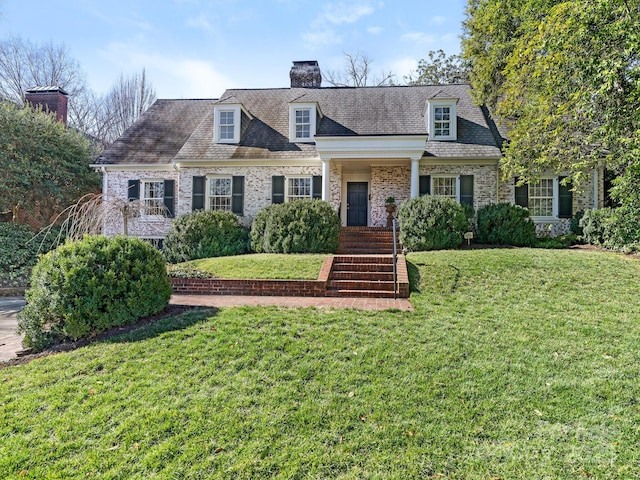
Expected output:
(303, 226)
(505, 224)
(19, 249)
(431, 223)
(613, 228)
(204, 234)
(596, 225)
(86, 287)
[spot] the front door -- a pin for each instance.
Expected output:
(357, 203)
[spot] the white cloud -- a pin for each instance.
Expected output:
(172, 77)
(339, 13)
(420, 37)
(200, 22)
(402, 67)
(321, 38)
(438, 20)
(375, 30)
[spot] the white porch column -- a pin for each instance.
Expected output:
(415, 177)
(326, 180)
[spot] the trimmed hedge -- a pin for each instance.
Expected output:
(86, 287)
(205, 234)
(302, 226)
(19, 249)
(431, 223)
(505, 224)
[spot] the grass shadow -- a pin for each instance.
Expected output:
(414, 277)
(152, 327)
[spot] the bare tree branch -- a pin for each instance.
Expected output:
(358, 73)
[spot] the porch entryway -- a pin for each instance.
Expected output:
(357, 204)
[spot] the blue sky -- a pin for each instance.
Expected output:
(199, 48)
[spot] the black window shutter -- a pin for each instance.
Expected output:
(169, 197)
(237, 195)
(466, 189)
(197, 196)
(565, 199)
(277, 189)
(133, 190)
(316, 187)
(522, 195)
(425, 185)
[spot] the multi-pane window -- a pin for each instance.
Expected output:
(220, 193)
(303, 123)
(541, 198)
(445, 187)
(442, 121)
(227, 125)
(153, 197)
(298, 188)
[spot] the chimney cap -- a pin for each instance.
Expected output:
(48, 89)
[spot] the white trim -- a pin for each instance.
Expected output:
(453, 119)
(293, 176)
(237, 120)
(207, 196)
(444, 175)
(312, 109)
(555, 206)
(371, 147)
(165, 167)
(354, 177)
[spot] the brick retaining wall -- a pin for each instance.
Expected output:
(279, 288)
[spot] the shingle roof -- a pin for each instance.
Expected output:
(368, 111)
(159, 133)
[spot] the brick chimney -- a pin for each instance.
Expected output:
(305, 74)
(50, 99)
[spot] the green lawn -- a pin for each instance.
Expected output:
(516, 364)
(262, 265)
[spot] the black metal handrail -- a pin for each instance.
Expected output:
(395, 260)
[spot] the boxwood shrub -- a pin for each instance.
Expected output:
(86, 287)
(302, 226)
(431, 223)
(505, 224)
(613, 228)
(204, 234)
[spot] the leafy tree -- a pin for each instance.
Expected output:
(45, 166)
(439, 69)
(566, 78)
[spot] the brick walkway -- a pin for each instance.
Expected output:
(320, 302)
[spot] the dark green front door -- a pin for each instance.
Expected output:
(357, 203)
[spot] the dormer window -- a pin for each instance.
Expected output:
(226, 124)
(302, 122)
(441, 119)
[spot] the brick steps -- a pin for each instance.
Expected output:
(366, 240)
(368, 276)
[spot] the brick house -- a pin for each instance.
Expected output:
(353, 147)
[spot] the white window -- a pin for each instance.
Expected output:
(219, 197)
(445, 187)
(541, 197)
(442, 119)
(226, 124)
(153, 197)
(302, 122)
(298, 187)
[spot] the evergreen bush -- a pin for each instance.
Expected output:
(19, 249)
(431, 223)
(86, 287)
(505, 224)
(302, 226)
(205, 234)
